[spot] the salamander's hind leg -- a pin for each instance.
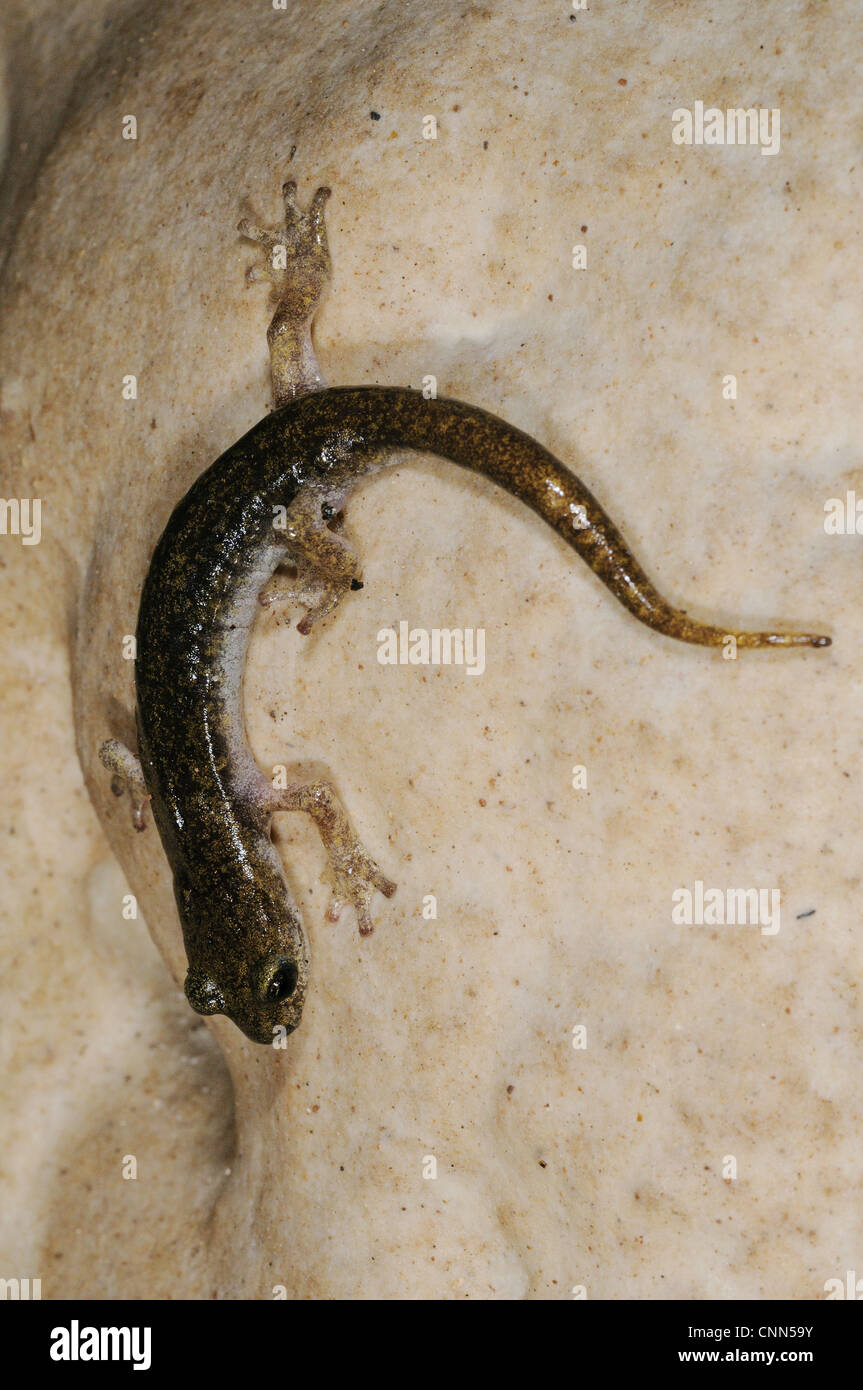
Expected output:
(327, 565)
(354, 875)
(297, 263)
(128, 777)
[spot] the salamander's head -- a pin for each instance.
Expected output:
(247, 956)
(265, 1006)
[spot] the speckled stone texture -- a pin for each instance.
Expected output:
(558, 1167)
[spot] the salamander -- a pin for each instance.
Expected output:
(272, 498)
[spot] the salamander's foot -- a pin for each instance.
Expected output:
(354, 881)
(297, 263)
(354, 875)
(300, 589)
(297, 258)
(328, 567)
(331, 596)
(317, 595)
(128, 778)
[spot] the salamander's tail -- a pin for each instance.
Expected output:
(575, 514)
(524, 468)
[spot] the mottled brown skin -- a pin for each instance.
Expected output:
(268, 499)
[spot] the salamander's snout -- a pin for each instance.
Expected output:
(204, 994)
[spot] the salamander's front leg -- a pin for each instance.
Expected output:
(354, 875)
(297, 262)
(128, 777)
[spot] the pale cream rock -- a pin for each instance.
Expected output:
(449, 1038)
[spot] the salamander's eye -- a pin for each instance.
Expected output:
(327, 512)
(282, 982)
